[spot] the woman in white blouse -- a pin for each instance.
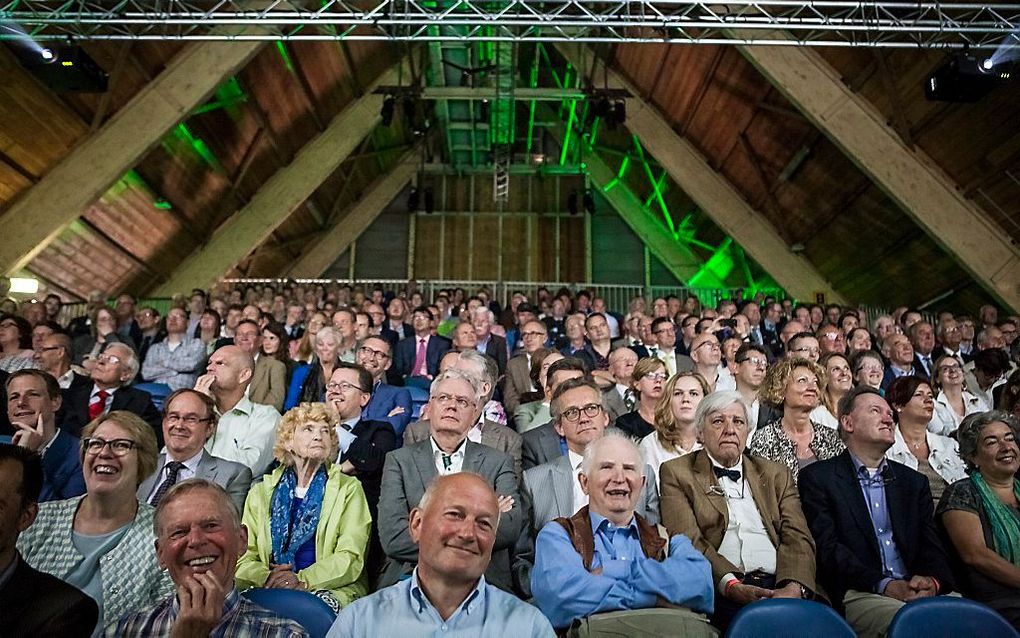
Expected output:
(675, 434)
(953, 402)
(838, 381)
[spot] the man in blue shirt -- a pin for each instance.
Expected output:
(454, 527)
(608, 558)
(872, 520)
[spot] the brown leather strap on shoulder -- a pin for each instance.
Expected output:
(578, 528)
(652, 543)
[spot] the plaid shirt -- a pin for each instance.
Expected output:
(240, 618)
(179, 368)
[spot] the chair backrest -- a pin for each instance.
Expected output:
(790, 618)
(419, 397)
(949, 616)
(6, 439)
(310, 611)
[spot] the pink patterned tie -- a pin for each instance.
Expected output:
(419, 360)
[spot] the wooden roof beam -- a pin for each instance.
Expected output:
(281, 195)
(715, 196)
(908, 176)
(321, 255)
(63, 194)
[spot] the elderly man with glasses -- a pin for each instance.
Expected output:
(189, 418)
(408, 472)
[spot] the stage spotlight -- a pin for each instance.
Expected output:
(964, 79)
(48, 55)
(389, 106)
(620, 111)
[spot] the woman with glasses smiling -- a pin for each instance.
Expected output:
(648, 380)
(102, 542)
(953, 402)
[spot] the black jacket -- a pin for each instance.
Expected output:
(36, 604)
(76, 408)
(367, 454)
(846, 546)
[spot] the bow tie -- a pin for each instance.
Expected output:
(720, 472)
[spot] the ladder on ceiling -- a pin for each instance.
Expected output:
(502, 114)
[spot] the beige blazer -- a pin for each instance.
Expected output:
(690, 506)
(269, 383)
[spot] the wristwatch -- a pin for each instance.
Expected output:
(803, 591)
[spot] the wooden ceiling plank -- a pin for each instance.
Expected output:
(60, 197)
(908, 176)
(281, 195)
(107, 96)
(718, 199)
(319, 256)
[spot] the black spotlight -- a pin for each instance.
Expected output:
(389, 106)
(620, 111)
(413, 200)
(572, 203)
(430, 201)
(601, 107)
(589, 201)
(965, 78)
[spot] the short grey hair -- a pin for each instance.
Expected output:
(330, 330)
(131, 362)
(460, 375)
(584, 381)
(715, 402)
(969, 433)
(486, 310)
(611, 434)
(180, 490)
(485, 363)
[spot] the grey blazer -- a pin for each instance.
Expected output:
(408, 471)
(530, 415)
(235, 478)
(548, 494)
(540, 445)
(494, 435)
(614, 403)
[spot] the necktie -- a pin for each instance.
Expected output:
(927, 364)
(173, 469)
(653, 351)
(447, 462)
(628, 400)
(419, 359)
(97, 404)
(720, 472)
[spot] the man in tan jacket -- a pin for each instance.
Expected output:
(742, 512)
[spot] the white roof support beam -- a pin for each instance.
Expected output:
(281, 195)
(90, 169)
(712, 192)
(908, 176)
(318, 257)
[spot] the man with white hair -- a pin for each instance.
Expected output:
(453, 402)
(488, 342)
(609, 558)
(759, 543)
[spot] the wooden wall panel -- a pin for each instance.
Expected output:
(487, 248)
(515, 248)
(456, 247)
(426, 253)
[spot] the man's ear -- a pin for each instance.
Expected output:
(365, 398)
(582, 478)
(245, 375)
(27, 516)
(558, 427)
(414, 527)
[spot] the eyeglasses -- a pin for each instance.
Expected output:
(655, 376)
(108, 358)
(665, 331)
(807, 350)
(443, 399)
(118, 447)
(49, 348)
(573, 414)
(533, 333)
(712, 345)
(373, 353)
(758, 363)
(190, 420)
(343, 386)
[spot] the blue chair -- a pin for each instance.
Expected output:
(310, 611)
(158, 391)
(6, 439)
(948, 616)
(790, 618)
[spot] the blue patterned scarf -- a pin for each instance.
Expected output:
(290, 534)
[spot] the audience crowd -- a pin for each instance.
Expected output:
(452, 465)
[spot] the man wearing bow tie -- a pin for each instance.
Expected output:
(742, 512)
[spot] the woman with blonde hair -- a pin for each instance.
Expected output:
(308, 522)
(648, 380)
(794, 439)
(675, 433)
(102, 542)
(305, 348)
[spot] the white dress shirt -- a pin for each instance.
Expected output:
(746, 544)
(456, 458)
(344, 434)
(580, 498)
(655, 454)
(190, 470)
(245, 434)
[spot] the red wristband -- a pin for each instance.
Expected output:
(731, 583)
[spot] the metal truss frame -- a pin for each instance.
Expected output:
(839, 23)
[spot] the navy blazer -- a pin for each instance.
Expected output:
(367, 454)
(62, 477)
(392, 335)
(403, 358)
(847, 548)
(36, 604)
(496, 348)
(887, 379)
(384, 398)
(76, 408)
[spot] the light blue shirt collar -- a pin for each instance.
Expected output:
(421, 604)
(598, 522)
